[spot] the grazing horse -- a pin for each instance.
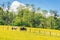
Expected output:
(23, 28)
(14, 28)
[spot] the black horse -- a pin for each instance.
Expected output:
(23, 28)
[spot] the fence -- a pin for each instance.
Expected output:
(46, 32)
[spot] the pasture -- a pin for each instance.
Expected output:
(6, 33)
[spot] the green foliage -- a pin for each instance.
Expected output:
(27, 18)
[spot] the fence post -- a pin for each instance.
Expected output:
(50, 33)
(30, 29)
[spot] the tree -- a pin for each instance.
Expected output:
(58, 24)
(44, 12)
(53, 22)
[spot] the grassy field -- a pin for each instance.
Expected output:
(6, 33)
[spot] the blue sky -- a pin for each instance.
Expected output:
(43, 4)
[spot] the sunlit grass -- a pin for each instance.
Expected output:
(6, 33)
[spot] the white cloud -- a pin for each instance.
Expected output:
(15, 5)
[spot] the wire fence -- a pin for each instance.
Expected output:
(38, 31)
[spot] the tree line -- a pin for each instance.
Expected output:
(34, 18)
